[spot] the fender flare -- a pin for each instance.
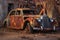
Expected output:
(25, 24)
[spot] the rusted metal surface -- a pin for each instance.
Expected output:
(16, 22)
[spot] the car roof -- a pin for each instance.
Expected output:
(22, 9)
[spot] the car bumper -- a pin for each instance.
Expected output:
(47, 29)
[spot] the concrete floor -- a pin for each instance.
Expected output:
(8, 34)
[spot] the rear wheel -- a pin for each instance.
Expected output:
(5, 24)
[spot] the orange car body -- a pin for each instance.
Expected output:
(16, 20)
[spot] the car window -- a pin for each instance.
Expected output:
(28, 12)
(18, 12)
(12, 13)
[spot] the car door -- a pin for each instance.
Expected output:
(12, 19)
(18, 19)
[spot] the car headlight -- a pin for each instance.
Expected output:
(39, 20)
(51, 20)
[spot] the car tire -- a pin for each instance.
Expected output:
(29, 28)
(5, 24)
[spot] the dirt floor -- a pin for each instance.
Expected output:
(9, 34)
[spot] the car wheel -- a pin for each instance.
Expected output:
(5, 24)
(29, 28)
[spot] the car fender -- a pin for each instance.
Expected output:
(6, 21)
